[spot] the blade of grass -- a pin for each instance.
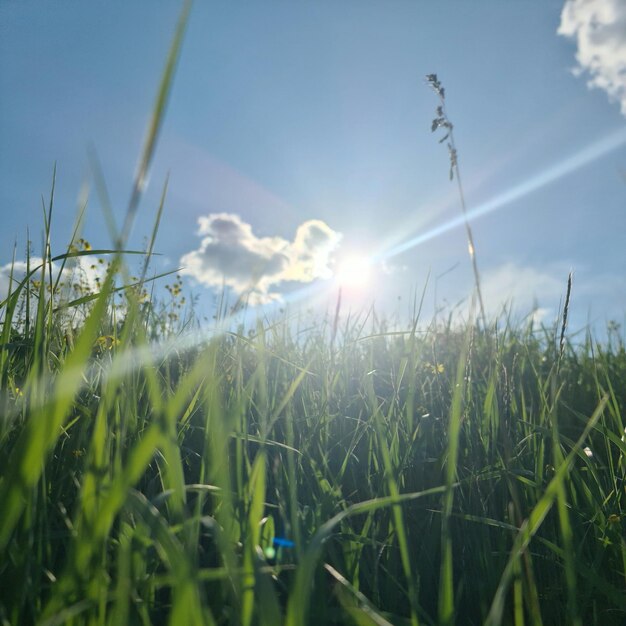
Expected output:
(535, 520)
(156, 122)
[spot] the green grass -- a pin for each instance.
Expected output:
(348, 473)
(433, 476)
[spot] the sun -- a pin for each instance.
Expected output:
(353, 271)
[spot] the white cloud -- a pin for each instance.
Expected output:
(231, 254)
(523, 289)
(599, 27)
(17, 271)
(83, 272)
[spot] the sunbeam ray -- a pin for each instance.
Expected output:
(585, 156)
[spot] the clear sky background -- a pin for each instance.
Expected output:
(298, 133)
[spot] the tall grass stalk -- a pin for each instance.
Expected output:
(443, 121)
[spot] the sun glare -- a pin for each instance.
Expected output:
(353, 271)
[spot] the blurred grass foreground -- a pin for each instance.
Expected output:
(349, 473)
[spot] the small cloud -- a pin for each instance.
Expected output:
(231, 254)
(310, 254)
(12, 274)
(522, 288)
(80, 276)
(84, 271)
(599, 27)
(539, 315)
(388, 268)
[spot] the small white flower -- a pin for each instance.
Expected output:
(588, 451)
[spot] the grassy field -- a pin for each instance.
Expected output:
(342, 473)
(334, 472)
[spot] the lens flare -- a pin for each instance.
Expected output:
(568, 166)
(353, 271)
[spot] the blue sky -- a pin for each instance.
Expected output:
(299, 133)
